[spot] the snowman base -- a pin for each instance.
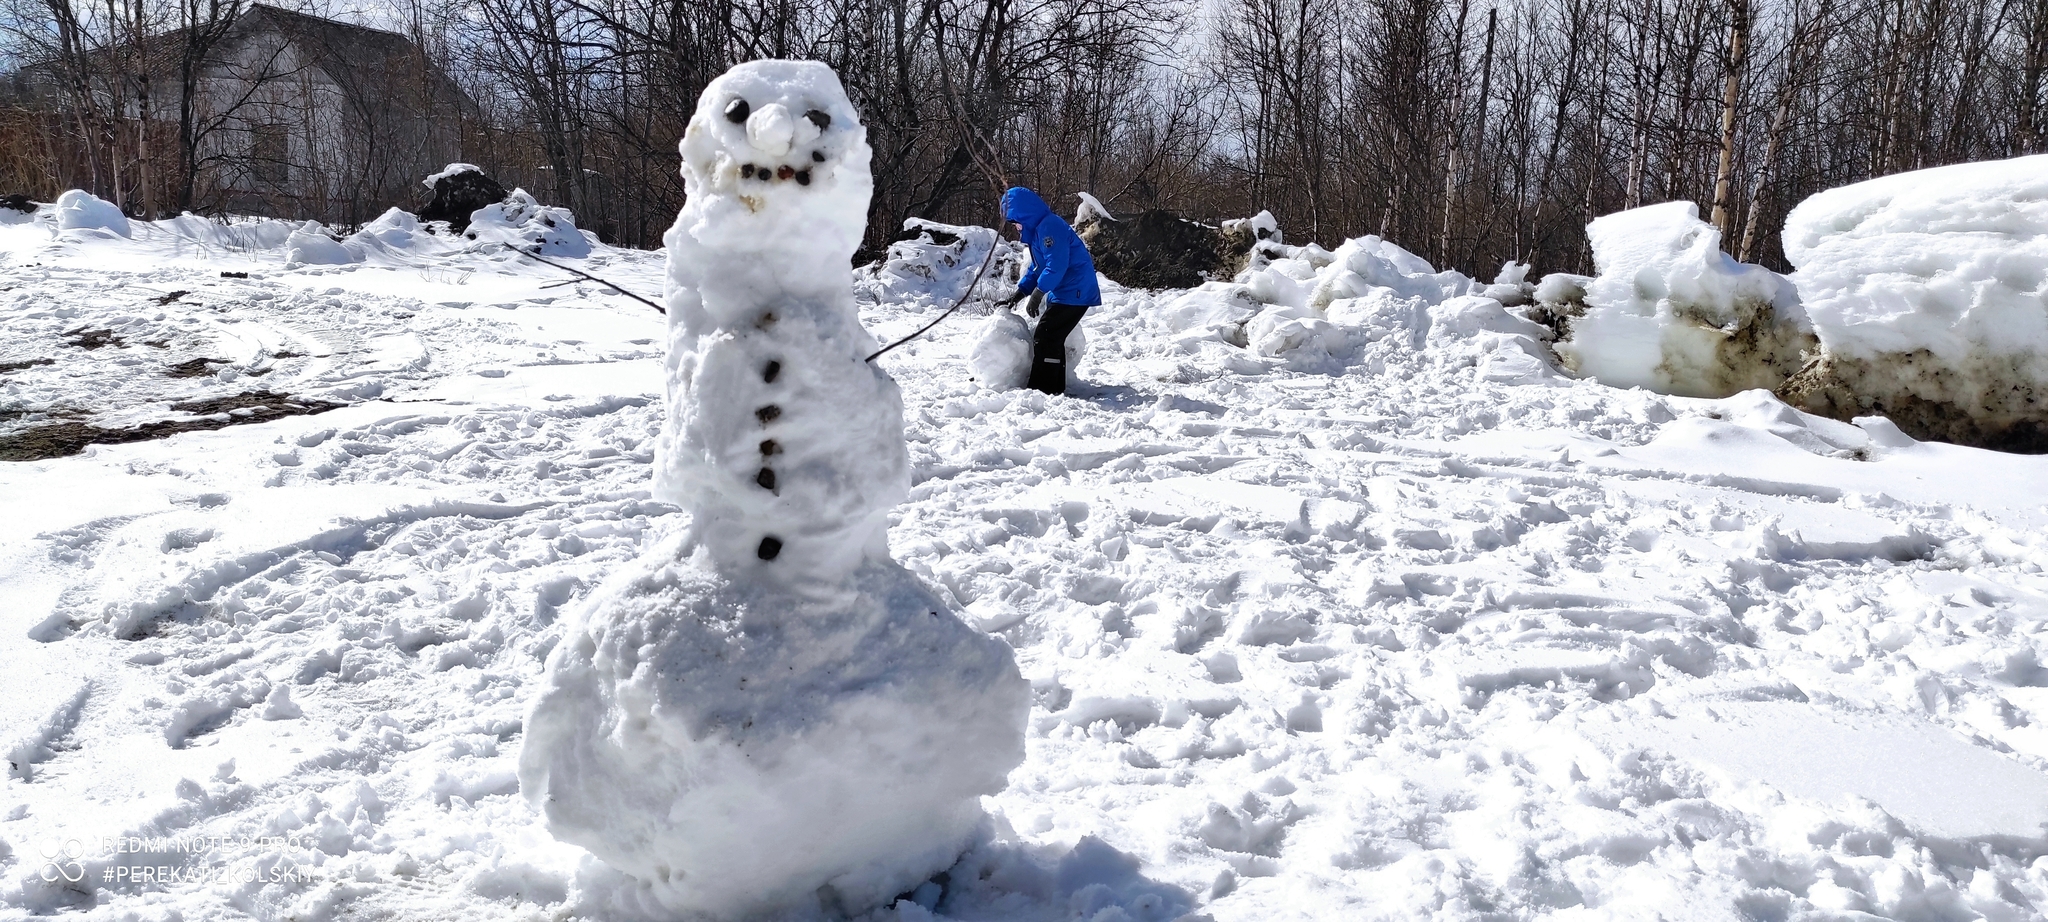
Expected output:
(1001, 356)
(741, 750)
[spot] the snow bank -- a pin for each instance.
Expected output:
(520, 221)
(1670, 312)
(766, 714)
(395, 234)
(1929, 291)
(81, 210)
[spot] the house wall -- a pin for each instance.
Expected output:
(355, 143)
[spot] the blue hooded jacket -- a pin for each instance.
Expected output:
(1060, 264)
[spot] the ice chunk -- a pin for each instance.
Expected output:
(1672, 313)
(1929, 291)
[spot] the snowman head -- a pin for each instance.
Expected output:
(776, 147)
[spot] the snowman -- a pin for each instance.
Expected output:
(765, 714)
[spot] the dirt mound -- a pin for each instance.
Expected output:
(1159, 249)
(458, 195)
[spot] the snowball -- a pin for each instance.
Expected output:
(1929, 291)
(1562, 288)
(744, 752)
(81, 210)
(1670, 312)
(1001, 357)
(522, 222)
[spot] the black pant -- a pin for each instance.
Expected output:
(1049, 346)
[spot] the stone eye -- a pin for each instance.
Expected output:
(819, 118)
(737, 111)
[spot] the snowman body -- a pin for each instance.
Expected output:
(764, 714)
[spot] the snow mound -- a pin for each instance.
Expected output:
(396, 234)
(16, 209)
(81, 210)
(1262, 226)
(1370, 304)
(520, 221)
(741, 750)
(310, 246)
(1090, 208)
(1929, 291)
(932, 264)
(1670, 312)
(1367, 263)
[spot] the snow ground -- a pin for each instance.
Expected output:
(1405, 641)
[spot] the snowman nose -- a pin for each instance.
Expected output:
(771, 129)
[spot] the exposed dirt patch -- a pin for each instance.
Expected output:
(196, 368)
(94, 339)
(58, 440)
(1989, 406)
(6, 367)
(1759, 352)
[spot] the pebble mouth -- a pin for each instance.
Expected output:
(765, 173)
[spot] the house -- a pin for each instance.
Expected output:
(290, 115)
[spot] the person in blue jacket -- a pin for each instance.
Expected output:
(1063, 270)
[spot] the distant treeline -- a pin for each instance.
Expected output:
(1469, 131)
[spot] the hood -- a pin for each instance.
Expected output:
(1024, 207)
